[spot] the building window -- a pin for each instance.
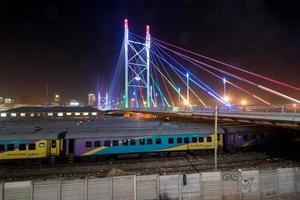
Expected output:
(115, 142)
(186, 140)
(194, 139)
(149, 141)
(208, 139)
(69, 114)
(158, 140)
(10, 147)
(201, 139)
(94, 113)
(142, 141)
(77, 114)
(3, 114)
(85, 113)
(23, 114)
(179, 140)
(171, 140)
(97, 144)
(125, 142)
(60, 114)
(22, 147)
(88, 144)
(13, 114)
(107, 143)
(31, 147)
(132, 142)
(2, 147)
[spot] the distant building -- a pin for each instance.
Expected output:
(91, 99)
(73, 103)
(57, 100)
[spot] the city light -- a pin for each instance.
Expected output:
(137, 78)
(186, 103)
(224, 80)
(243, 102)
(226, 99)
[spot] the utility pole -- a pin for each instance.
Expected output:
(216, 137)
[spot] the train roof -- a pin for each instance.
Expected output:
(103, 127)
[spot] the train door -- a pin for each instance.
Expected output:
(71, 146)
(53, 146)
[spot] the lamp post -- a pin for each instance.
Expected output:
(216, 137)
(224, 87)
(178, 97)
(187, 88)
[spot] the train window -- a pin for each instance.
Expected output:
(179, 140)
(10, 147)
(88, 144)
(2, 147)
(107, 143)
(142, 141)
(22, 147)
(97, 144)
(158, 140)
(208, 139)
(149, 141)
(42, 145)
(245, 137)
(201, 139)
(219, 137)
(31, 147)
(125, 142)
(194, 139)
(53, 144)
(115, 142)
(254, 136)
(171, 140)
(132, 142)
(186, 140)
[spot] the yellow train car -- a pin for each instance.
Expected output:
(30, 149)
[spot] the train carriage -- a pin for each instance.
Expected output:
(157, 139)
(29, 142)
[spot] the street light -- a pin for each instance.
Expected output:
(224, 87)
(226, 99)
(243, 102)
(178, 97)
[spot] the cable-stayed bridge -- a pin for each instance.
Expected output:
(154, 76)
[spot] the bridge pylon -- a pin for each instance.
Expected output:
(137, 66)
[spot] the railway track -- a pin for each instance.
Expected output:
(169, 165)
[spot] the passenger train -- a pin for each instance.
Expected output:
(72, 139)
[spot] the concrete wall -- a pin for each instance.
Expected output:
(253, 184)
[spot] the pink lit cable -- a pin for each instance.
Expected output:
(232, 66)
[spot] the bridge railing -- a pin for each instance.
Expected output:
(285, 110)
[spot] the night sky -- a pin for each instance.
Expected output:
(73, 45)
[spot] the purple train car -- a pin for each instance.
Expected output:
(140, 136)
(250, 137)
